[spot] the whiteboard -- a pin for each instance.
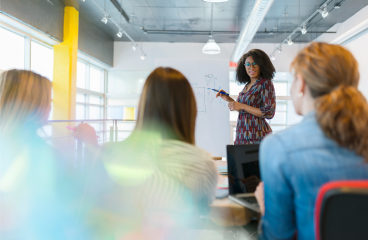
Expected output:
(213, 116)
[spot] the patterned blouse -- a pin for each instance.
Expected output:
(252, 129)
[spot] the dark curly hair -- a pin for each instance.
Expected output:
(262, 60)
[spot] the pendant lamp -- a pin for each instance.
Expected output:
(211, 47)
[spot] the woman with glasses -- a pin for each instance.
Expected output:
(257, 101)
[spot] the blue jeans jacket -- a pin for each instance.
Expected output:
(294, 165)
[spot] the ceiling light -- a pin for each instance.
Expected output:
(133, 47)
(337, 6)
(211, 47)
(272, 57)
(104, 19)
(290, 42)
(304, 30)
(120, 33)
(83, 0)
(143, 56)
(324, 13)
(215, 1)
(279, 49)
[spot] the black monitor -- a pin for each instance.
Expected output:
(243, 168)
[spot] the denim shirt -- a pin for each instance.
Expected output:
(294, 165)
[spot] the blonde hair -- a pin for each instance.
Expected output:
(168, 105)
(25, 98)
(331, 73)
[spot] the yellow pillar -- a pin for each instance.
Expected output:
(65, 68)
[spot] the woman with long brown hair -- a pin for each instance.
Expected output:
(329, 144)
(166, 181)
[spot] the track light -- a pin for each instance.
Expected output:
(280, 49)
(324, 13)
(120, 33)
(272, 57)
(83, 0)
(104, 19)
(143, 56)
(290, 42)
(304, 30)
(133, 47)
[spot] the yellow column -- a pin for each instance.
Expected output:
(65, 68)
(65, 78)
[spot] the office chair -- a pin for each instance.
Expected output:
(341, 211)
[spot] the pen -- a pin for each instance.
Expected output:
(75, 129)
(220, 92)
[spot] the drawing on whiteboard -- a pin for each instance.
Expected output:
(199, 94)
(194, 84)
(210, 100)
(210, 78)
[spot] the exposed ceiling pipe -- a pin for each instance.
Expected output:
(191, 32)
(255, 18)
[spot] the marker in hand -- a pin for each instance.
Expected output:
(75, 129)
(218, 91)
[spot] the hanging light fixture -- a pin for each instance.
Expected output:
(304, 30)
(211, 47)
(280, 49)
(133, 47)
(324, 13)
(272, 57)
(120, 33)
(104, 19)
(143, 56)
(289, 41)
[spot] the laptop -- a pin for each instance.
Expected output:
(243, 174)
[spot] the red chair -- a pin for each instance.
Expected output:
(341, 211)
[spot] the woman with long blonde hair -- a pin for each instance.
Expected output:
(331, 143)
(35, 190)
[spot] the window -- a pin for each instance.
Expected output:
(42, 59)
(11, 49)
(90, 92)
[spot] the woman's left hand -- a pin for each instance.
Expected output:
(235, 106)
(259, 194)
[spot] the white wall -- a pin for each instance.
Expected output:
(353, 34)
(359, 47)
(128, 60)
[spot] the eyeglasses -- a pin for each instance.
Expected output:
(248, 65)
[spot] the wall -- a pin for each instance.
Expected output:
(128, 60)
(349, 36)
(359, 47)
(48, 18)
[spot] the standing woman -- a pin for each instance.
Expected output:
(257, 101)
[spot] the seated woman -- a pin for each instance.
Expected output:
(165, 180)
(329, 144)
(36, 192)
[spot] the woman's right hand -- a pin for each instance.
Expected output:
(224, 96)
(86, 133)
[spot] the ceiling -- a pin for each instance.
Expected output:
(228, 18)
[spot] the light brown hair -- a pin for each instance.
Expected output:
(167, 104)
(331, 73)
(25, 99)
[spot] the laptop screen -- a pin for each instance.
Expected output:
(243, 168)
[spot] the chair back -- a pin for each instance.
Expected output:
(341, 211)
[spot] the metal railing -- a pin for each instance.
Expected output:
(113, 130)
